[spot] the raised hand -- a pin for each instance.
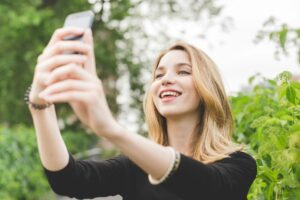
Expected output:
(71, 78)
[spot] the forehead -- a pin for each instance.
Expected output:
(173, 57)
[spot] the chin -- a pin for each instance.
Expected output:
(170, 113)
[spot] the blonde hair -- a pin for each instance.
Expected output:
(212, 137)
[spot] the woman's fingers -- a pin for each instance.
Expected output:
(88, 37)
(60, 60)
(90, 65)
(65, 47)
(70, 71)
(68, 96)
(62, 33)
(68, 91)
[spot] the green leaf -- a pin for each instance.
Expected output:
(296, 85)
(291, 94)
(281, 91)
(271, 35)
(250, 80)
(295, 127)
(294, 140)
(285, 76)
(259, 122)
(298, 32)
(282, 37)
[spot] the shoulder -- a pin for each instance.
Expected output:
(238, 158)
(244, 159)
(238, 162)
(241, 155)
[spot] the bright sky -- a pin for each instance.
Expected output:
(238, 57)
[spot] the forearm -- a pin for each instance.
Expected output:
(52, 149)
(153, 158)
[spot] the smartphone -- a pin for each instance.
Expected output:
(83, 20)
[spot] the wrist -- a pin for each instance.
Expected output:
(113, 133)
(35, 104)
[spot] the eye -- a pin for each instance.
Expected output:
(157, 76)
(182, 72)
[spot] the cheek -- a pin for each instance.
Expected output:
(153, 92)
(154, 89)
(195, 96)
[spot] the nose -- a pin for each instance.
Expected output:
(168, 79)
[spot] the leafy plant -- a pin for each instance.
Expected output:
(268, 120)
(20, 168)
(21, 174)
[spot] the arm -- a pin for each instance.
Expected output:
(52, 150)
(90, 179)
(72, 78)
(81, 87)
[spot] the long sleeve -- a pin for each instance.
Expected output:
(229, 178)
(89, 179)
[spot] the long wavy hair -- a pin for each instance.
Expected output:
(212, 137)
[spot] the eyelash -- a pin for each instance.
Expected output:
(180, 72)
(184, 72)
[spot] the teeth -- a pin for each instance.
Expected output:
(169, 93)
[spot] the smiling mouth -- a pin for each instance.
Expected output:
(169, 94)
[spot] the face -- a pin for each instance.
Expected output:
(173, 90)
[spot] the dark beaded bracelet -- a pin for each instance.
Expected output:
(172, 168)
(34, 105)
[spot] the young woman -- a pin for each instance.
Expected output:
(190, 154)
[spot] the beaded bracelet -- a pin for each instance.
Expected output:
(34, 105)
(172, 168)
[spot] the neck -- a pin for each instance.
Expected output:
(181, 132)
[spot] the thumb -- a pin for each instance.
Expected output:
(88, 39)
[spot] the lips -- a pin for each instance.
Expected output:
(169, 93)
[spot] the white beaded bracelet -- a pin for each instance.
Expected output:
(172, 168)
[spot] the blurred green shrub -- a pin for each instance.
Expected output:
(20, 169)
(21, 174)
(267, 119)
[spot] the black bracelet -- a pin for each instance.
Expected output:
(34, 105)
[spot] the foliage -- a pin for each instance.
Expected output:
(118, 31)
(28, 27)
(267, 117)
(78, 142)
(268, 120)
(20, 169)
(285, 37)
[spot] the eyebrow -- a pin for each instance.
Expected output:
(160, 67)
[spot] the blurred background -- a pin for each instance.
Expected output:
(256, 45)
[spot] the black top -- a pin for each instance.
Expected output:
(226, 179)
